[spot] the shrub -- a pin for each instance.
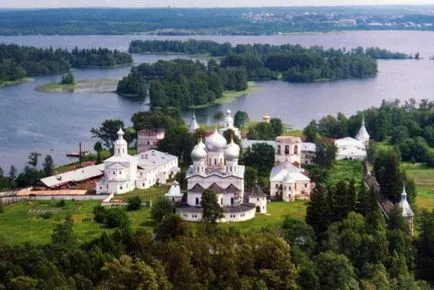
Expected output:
(99, 214)
(116, 218)
(161, 208)
(2, 209)
(61, 203)
(46, 214)
(134, 203)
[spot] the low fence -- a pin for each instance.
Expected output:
(13, 199)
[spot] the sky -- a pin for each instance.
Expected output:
(197, 3)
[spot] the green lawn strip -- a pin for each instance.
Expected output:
(277, 210)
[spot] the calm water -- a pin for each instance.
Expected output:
(55, 123)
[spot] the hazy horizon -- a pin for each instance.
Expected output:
(199, 3)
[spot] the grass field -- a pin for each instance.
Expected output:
(85, 86)
(277, 210)
(424, 178)
(346, 170)
(22, 222)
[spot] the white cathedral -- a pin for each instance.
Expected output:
(215, 166)
(124, 173)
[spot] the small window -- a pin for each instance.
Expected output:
(197, 200)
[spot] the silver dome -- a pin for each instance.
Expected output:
(232, 152)
(198, 152)
(215, 142)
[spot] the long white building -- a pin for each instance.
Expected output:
(124, 173)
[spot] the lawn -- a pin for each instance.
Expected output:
(277, 210)
(424, 178)
(346, 170)
(22, 222)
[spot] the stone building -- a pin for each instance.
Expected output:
(124, 173)
(215, 166)
(148, 139)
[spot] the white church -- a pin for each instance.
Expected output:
(353, 148)
(215, 166)
(124, 173)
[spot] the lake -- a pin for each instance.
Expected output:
(55, 123)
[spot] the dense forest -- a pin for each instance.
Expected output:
(344, 243)
(193, 46)
(409, 127)
(182, 83)
(17, 62)
(290, 62)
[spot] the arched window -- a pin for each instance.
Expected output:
(287, 150)
(215, 161)
(278, 149)
(295, 149)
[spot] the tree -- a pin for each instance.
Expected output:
(311, 132)
(98, 148)
(261, 157)
(212, 211)
(107, 132)
(99, 214)
(240, 119)
(425, 247)
(388, 174)
(161, 208)
(33, 159)
(335, 271)
(116, 218)
(63, 236)
(170, 227)
(134, 203)
(67, 79)
(218, 116)
(318, 211)
(48, 166)
(277, 126)
(325, 154)
(123, 273)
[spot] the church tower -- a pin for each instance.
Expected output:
(288, 148)
(120, 145)
(363, 134)
(407, 212)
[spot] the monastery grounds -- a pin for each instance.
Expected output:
(37, 230)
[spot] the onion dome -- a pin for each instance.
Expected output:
(120, 140)
(198, 152)
(215, 142)
(232, 152)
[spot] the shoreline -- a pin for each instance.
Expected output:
(228, 97)
(17, 82)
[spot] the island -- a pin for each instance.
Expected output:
(18, 63)
(85, 86)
